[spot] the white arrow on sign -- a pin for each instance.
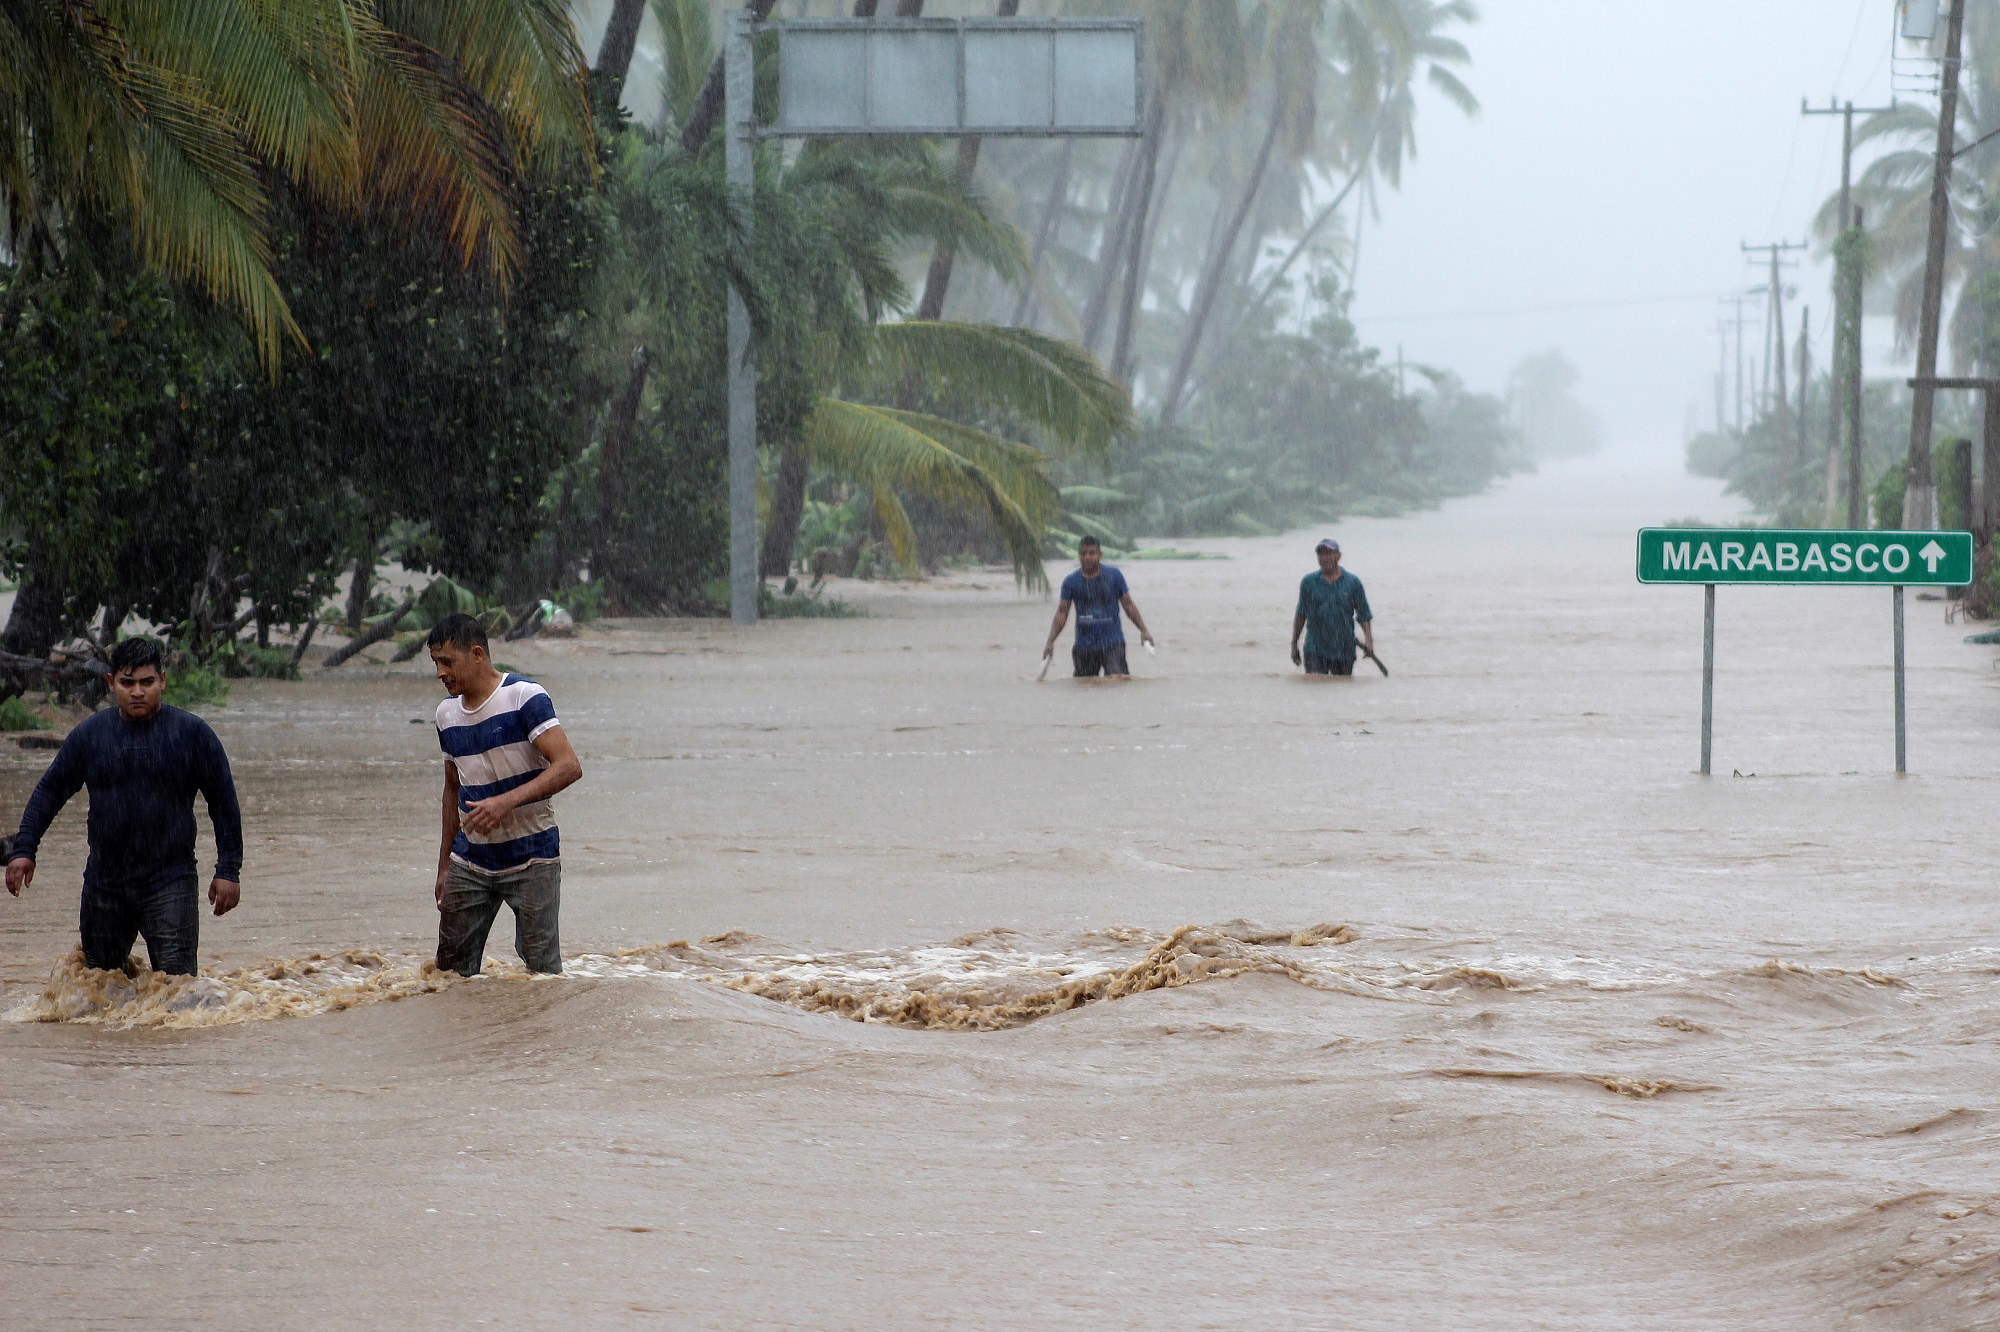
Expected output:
(1931, 554)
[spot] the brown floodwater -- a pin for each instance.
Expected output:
(907, 991)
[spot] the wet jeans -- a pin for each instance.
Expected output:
(168, 914)
(472, 899)
(1316, 665)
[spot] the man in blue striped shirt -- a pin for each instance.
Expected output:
(505, 757)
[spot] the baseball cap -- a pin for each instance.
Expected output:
(1328, 543)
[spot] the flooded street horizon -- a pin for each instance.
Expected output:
(904, 989)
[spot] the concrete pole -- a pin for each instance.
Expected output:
(739, 117)
(1920, 494)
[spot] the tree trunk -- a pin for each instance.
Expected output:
(938, 278)
(621, 35)
(1058, 195)
(363, 583)
(36, 622)
(707, 108)
(1211, 279)
(611, 462)
(788, 506)
(305, 641)
(1305, 237)
(1111, 248)
(1141, 261)
(382, 629)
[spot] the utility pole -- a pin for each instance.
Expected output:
(1849, 274)
(1846, 112)
(1846, 363)
(1737, 302)
(1805, 387)
(1721, 373)
(1774, 355)
(1920, 493)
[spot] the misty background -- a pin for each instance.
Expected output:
(1622, 154)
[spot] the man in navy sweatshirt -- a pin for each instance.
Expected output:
(143, 764)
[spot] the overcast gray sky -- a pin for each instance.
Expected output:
(1625, 148)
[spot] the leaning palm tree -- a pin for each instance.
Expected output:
(1342, 102)
(170, 119)
(1049, 389)
(866, 203)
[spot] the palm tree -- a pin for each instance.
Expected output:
(167, 119)
(1893, 192)
(1053, 387)
(873, 201)
(1376, 50)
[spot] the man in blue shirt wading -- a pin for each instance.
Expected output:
(1097, 590)
(143, 763)
(1330, 602)
(505, 757)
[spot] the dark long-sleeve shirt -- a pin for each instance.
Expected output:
(143, 777)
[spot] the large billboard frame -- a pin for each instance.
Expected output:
(871, 36)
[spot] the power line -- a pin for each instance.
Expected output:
(1552, 308)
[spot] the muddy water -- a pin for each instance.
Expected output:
(906, 991)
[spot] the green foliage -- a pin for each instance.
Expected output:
(16, 715)
(1300, 428)
(1951, 472)
(1886, 499)
(89, 374)
(584, 601)
(163, 471)
(190, 685)
(1764, 465)
(237, 660)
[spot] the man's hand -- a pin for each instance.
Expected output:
(20, 873)
(483, 816)
(1048, 649)
(437, 889)
(1297, 660)
(1146, 638)
(224, 893)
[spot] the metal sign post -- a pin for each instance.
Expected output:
(931, 78)
(1711, 555)
(1707, 676)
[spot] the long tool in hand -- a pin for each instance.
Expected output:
(1369, 653)
(1045, 668)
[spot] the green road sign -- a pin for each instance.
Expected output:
(1806, 555)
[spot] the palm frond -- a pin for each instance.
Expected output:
(687, 34)
(433, 149)
(890, 451)
(1055, 385)
(522, 56)
(280, 69)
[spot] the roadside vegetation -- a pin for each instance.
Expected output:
(314, 290)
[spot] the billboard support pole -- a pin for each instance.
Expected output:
(739, 120)
(1707, 675)
(1896, 598)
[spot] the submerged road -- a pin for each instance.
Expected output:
(1602, 1043)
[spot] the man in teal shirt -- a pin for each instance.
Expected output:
(1330, 602)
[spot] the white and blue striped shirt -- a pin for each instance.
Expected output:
(492, 746)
